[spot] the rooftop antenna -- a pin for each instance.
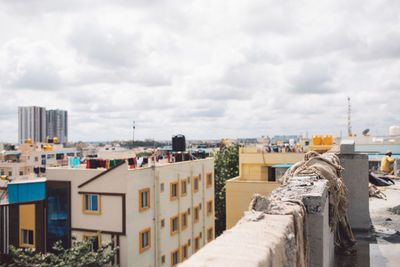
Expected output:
(133, 137)
(349, 117)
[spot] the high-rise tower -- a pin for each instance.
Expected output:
(37, 124)
(57, 124)
(31, 124)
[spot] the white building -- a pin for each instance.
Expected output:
(31, 124)
(37, 124)
(57, 125)
(158, 216)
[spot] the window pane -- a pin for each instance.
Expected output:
(30, 237)
(96, 244)
(174, 190)
(86, 202)
(184, 187)
(27, 237)
(144, 199)
(94, 203)
(175, 260)
(145, 239)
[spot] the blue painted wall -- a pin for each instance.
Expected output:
(26, 192)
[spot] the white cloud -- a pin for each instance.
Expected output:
(207, 69)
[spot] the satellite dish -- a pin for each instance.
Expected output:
(365, 132)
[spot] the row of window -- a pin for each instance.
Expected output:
(144, 194)
(174, 220)
(177, 255)
(91, 202)
(174, 186)
(3, 173)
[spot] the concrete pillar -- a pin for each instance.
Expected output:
(319, 235)
(355, 177)
(396, 167)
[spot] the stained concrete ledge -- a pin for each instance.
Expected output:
(268, 241)
(248, 243)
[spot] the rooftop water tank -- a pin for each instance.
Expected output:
(178, 143)
(394, 131)
(327, 139)
(316, 140)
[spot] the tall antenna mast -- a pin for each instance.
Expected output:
(349, 117)
(133, 137)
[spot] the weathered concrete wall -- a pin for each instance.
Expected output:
(268, 241)
(314, 195)
(355, 177)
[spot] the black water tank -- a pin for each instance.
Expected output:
(36, 170)
(178, 143)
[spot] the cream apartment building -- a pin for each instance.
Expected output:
(257, 174)
(14, 164)
(158, 216)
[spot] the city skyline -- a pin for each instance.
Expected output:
(205, 69)
(37, 124)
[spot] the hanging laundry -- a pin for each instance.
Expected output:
(139, 162)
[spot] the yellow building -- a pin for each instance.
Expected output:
(256, 175)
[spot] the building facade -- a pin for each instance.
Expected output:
(37, 124)
(259, 172)
(19, 163)
(158, 215)
(57, 125)
(31, 124)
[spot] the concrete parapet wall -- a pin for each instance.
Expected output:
(261, 239)
(249, 243)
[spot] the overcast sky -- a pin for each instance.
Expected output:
(204, 68)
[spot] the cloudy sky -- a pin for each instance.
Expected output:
(204, 68)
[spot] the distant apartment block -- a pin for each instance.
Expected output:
(31, 124)
(37, 124)
(158, 215)
(19, 163)
(57, 125)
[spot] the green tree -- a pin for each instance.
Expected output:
(81, 254)
(226, 166)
